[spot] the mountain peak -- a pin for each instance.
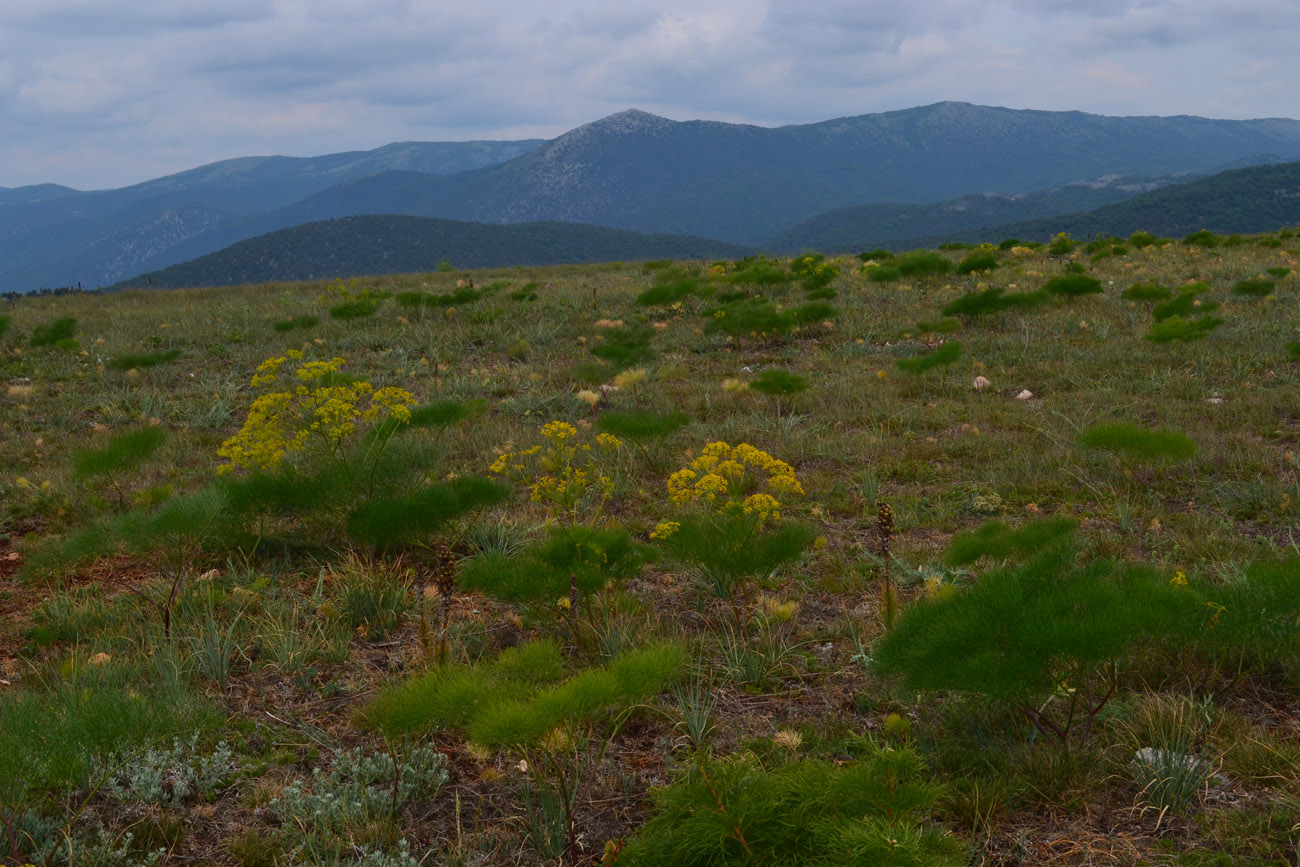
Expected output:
(631, 120)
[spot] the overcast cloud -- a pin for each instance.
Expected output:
(102, 93)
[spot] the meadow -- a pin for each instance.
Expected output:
(962, 556)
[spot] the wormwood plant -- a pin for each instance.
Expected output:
(121, 455)
(810, 813)
(728, 527)
(993, 300)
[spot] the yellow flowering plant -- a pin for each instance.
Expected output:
(572, 478)
(728, 527)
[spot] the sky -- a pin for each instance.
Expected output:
(104, 93)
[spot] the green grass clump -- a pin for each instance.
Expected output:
(297, 323)
(992, 300)
(1146, 291)
(1073, 285)
(756, 272)
(1142, 238)
(982, 260)
(642, 424)
(1254, 287)
(1176, 328)
(778, 383)
(1184, 304)
(1136, 443)
(540, 573)
(626, 346)
(941, 356)
(359, 308)
(1278, 273)
(921, 262)
(758, 318)
(122, 453)
(55, 332)
(143, 360)
(999, 542)
(807, 813)
(4, 325)
(672, 285)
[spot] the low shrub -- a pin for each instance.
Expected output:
(1254, 287)
(941, 356)
(298, 323)
(1176, 328)
(1138, 444)
(54, 332)
(142, 360)
(981, 260)
(1072, 285)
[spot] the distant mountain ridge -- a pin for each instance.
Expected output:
(633, 170)
(391, 244)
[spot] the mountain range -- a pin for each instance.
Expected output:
(635, 171)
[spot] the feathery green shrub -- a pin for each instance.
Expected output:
(540, 573)
(640, 425)
(1147, 291)
(1139, 444)
(1254, 287)
(1142, 238)
(54, 332)
(921, 262)
(869, 812)
(980, 260)
(1203, 238)
(1184, 304)
(1072, 285)
(756, 272)
(297, 323)
(122, 454)
(940, 356)
(992, 301)
(999, 542)
(626, 346)
(142, 360)
(1178, 328)
(778, 383)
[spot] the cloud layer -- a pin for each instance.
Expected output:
(100, 93)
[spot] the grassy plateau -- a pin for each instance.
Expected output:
(962, 556)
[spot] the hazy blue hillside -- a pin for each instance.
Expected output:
(1258, 199)
(387, 244)
(52, 236)
(745, 184)
(632, 170)
(862, 227)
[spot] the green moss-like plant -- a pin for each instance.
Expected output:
(54, 332)
(143, 360)
(1254, 287)
(1176, 328)
(869, 812)
(1184, 304)
(940, 356)
(1072, 285)
(1138, 444)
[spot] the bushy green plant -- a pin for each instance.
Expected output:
(1142, 238)
(1203, 238)
(672, 285)
(946, 325)
(941, 356)
(992, 301)
(921, 262)
(806, 813)
(1047, 636)
(1146, 291)
(122, 454)
(980, 260)
(4, 325)
(1184, 304)
(814, 272)
(54, 332)
(143, 360)
(1254, 287)
(883, 274)
(778, 383)
(877, 255)
(640, 425)
(999, 542)
(1072, 285)
(1176, 328)
(297, 323)
(1135, 443)
(1277, 273)
(168, 775)
(1061, 245)
(757, 271)
(626, 346)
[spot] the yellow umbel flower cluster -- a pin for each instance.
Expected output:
(562, 472)
(723, 477)
(321, 410)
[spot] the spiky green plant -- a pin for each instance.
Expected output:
(1176, 328)
(1254, 287)
(1184, 304)
(1146, 291)
(51, 333)
(998, 542)
(992, 301)
(142, 360)
(807, 813)
(1134, 443)
(626, 346)
(940, 356)
(1072, 285)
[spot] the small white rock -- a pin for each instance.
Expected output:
(981, 383)
(1215, 399)
(1026, 394)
